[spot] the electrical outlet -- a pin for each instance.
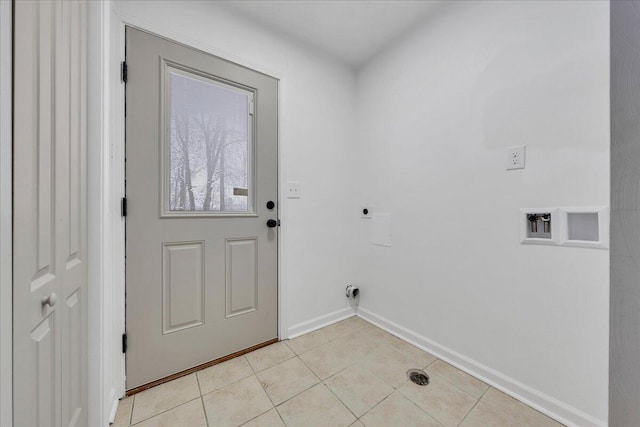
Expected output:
(515, 157)
(293, 190)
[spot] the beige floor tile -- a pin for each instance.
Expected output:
(287, 379)
(358, 321)
(306, 342)
(458, 378)
(357, 344)
(389, 365)
(123, 416)
(358, 389)
(236, 403)
(269, 356)
(380, 335)
(163, 397)
(328, 359)
(482, 416)
(516, 410)
(342, 328)
(225, 373)
(316, 407)
(364, 371)
(397, 410)
(441, 400)
(268, 419)
(420, 357)
(189, 414)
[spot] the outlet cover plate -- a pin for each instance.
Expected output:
(516, 157)
(293, 190)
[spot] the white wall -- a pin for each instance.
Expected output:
(435, 114)
(6, 210)
(316, 117)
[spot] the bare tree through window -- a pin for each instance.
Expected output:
(209, 145)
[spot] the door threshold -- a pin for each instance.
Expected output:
(198, 367)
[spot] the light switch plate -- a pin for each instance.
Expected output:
(516, 157)
(293, 190)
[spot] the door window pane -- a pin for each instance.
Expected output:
(209, 145)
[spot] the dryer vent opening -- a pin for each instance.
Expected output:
(352, 291)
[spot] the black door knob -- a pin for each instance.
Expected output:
(270, 205)
(272, 223)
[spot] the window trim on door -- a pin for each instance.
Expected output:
(165, 211)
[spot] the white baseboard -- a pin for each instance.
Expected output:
(319, 322)
(546, 404)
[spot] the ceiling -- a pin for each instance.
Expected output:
(352, 31)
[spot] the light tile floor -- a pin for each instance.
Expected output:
(350, 373)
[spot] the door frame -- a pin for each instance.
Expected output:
(112, 238)
(6, 213)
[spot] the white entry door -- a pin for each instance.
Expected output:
(50, 234)
(201, 221)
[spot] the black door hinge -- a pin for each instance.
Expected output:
(123, 71)
(124, 343)
(123, 207)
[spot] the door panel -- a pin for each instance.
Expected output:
(50, 271)
(183, 285)
(201, 150)
(44, 366)
(242, 278)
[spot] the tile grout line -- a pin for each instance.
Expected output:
(328, 341)
(312, 371)
(274, 406)
(280, 362)
(375, 406)
(459, 388)
(456, 386)
(484, 392)
(259, 415)
(206, 417)
(235, 382)
(267, 393)
(265, 390)
(467, 414)
(250, 365)
(340, 400)
(166, 410)
(493, 408)
(422, 410)
(133, 402)
(280, 415)
(228, 384)
(298, 394)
